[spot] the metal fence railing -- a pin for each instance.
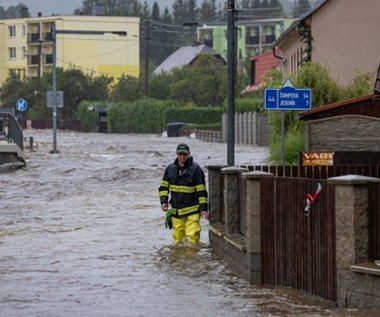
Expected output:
(10, 129)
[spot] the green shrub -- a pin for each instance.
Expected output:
(141, 116)
(194, 115)
(252, 104)
(293, 143)
(207, 126)
(87, 117)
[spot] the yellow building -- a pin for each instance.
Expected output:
(26, 45)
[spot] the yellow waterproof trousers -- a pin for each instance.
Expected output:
(187, 227)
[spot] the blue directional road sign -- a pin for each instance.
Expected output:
(287, 98)
(21, 105)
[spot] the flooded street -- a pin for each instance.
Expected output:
(82, 234)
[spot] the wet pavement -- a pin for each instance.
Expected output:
(82, 234)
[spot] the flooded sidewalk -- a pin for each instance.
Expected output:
(82, 234)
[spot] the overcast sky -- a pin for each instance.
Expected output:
(48, 7)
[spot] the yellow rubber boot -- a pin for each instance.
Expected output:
(179, 229)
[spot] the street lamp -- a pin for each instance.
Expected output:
(54, 79)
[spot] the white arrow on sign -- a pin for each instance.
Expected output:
(21, 105)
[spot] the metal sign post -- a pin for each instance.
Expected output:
(287, 98)
(231, 61)
(54, 90)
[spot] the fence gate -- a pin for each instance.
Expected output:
(298, 251)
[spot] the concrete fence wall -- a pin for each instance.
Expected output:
(250, 128)
(358, 278)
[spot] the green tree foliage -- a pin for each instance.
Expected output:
(300, 7)
(361, 85)
(276, 8)
(261, 9)
(155, 16)
(180, 11)
(14, 12)
(74, 82)
(127, 88)
(208, 11)
(76, 86)
(256, 4)
(192, 11)
(114, 7)
(317, 77)
(7, 91)
(202, 84)
(159, 86)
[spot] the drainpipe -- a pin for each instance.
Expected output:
(253, 72)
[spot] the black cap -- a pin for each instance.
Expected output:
(183, 148)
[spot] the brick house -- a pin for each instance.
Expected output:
(260, 65)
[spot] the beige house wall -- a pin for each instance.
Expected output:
(16, 42)
(107, 54)
(293, 51)
(345, 37)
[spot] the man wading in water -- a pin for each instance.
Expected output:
(184, 180)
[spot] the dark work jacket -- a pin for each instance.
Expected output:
(186, 187)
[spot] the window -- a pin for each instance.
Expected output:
(12, 52)
(13, 73)
(12, 31)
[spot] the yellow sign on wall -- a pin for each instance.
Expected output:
(317, 158)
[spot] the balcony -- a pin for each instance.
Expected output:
(33, 60)
(269, 39)
(48, 36)
(34, 37)
(252, 40)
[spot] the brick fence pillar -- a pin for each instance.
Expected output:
(214, 192)
(351, 218)
(231, 197)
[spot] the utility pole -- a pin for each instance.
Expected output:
(146, 57)
(231, 69)
(39, 59)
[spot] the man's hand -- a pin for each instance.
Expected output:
(164, 207)
(204, 214)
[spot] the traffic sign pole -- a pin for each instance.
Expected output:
(54, 79)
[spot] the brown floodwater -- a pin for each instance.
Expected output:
(82, 234)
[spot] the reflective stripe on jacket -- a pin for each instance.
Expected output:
(186, 187)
